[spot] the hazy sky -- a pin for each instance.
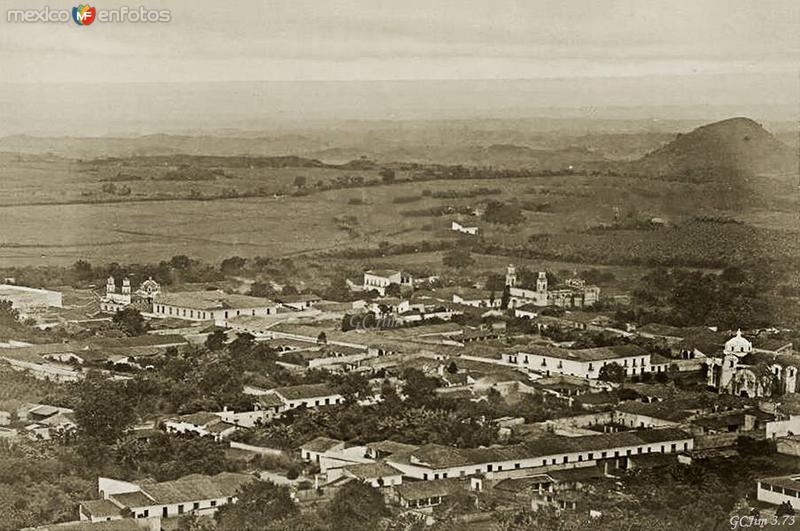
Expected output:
(402, 39)
(748, 42)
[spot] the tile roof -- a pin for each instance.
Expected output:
(664, 411)
(198, 419)
(439, 457)
(133, 499)
(211, 300)
(125, 524)
(584, 355)
(382, 272)
(522, 484)
(299, 392)
(372, 470)
(789, 482)
(269, 400)
(197, 487)
(321, 444)
(391, 447)
(418, 490)
(100, 508)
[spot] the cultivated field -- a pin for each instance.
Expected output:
(53, 211)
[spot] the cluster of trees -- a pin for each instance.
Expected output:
(167, 457)
(423, 417)
(734, 298)
(503, 213)
(264, 506)
(40, 484)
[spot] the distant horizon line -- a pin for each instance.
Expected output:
(411, 80)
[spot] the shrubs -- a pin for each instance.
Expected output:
(406, 199)
(503, 213)
(293, 473)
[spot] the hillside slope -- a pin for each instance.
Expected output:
(721, 151)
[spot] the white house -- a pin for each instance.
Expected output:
(314, 449)
(202, 424)
(432, 461)
(779, 490)
(214, 306)
(265, 408)
(458, 227)
(583, 363)
(380, 279)
(198, 494)
(308, 395)
(378, 475)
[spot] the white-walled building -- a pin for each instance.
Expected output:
(202, 424)
(458, 227)
(583, 363)
(779, 490)
(574, 294)
(739, 370)
(380, 279)
(198, 494)
(28, 300)
(378, 475)
(214, 306)
(433, 461)
(308, 395)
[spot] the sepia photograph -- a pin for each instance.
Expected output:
(400, 265)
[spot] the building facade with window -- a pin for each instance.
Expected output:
(583, 363)
(215, 306)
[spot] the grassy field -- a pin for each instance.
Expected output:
(52, 211)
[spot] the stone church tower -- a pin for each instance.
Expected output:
(511, 276)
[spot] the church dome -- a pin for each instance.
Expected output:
(738, 345)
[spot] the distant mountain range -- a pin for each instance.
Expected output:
(720, 152)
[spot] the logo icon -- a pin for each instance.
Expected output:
(83, 15)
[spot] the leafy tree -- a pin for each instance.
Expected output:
(193, 522)
(357, 506)
(394, 290)
(506, 297)
(452, 368)
(104, 409)
(8, 315)
(216, 340)
(419, 388)
(260, 504)
(322, 338)
(261, 289)
(348, 322)
(300, 181)
(232, 265)
(83, 270)
(502, 213)
(387, 175)
(167, 457)
(612, 372)
(352, 386)
(181, 262)
(242, 346)
(130, 321)
(288, 289)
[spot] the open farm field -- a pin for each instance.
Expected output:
(53, 211)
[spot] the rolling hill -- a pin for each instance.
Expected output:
(721, 151)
